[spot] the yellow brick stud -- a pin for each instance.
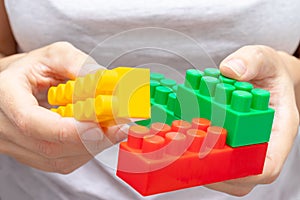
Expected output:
(107, 82)
(79, 89)
(85, 87)
(69, 89)
(54, 110)
(52, 96)
(90, 81)
(69, 110)
(79, 111)
(60, 95)
(106, 105)
(89, 109)
(61, 111)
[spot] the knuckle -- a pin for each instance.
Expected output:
(58, 48)
(271, 173)
(67, 134)
(62, 134)
(255, 51)
(61, 166)
(3, 147)
(272, 177)
(259, 54)
(242, 192)
(48, 149)
(60, 45)
(21, 122)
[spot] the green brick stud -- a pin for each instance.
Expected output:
(156, 76)
(171, 101)
(161, 95)
(245, 86)
(260, 99)
(227, 80)
(192, 78)
(175, 88)
(168, 83)
(241, 101)
(223, 93)
(153, 85)
(208, 85)
(214, 72)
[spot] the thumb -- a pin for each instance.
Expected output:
(249, 62)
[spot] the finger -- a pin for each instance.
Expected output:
(63, 59)
(44, 148)
(21, 107)
(250, 62)
(263, 66)
(95, 143)
(62, 165)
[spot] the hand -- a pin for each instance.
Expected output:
(34, 135)
(267, 69)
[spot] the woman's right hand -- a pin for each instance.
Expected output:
(34, 135)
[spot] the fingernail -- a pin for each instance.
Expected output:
(94, 134)
(236, 67)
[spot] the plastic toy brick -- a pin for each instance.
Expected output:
(236, 106)
(164, 158)
(107, 94)
(163, 99)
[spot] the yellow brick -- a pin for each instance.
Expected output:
(133, 92)
(106, 95)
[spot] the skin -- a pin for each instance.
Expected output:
(41, 139)
(31, 133)
(277, 72)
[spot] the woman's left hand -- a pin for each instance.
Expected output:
(268, 69)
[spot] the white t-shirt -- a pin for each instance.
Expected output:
(178, 34)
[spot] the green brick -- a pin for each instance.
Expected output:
(244, 128)
(247, 118)
(237, 106)
(163, 101)
(233, 105)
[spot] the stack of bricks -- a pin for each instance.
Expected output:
(207, 130)
(104, 95)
